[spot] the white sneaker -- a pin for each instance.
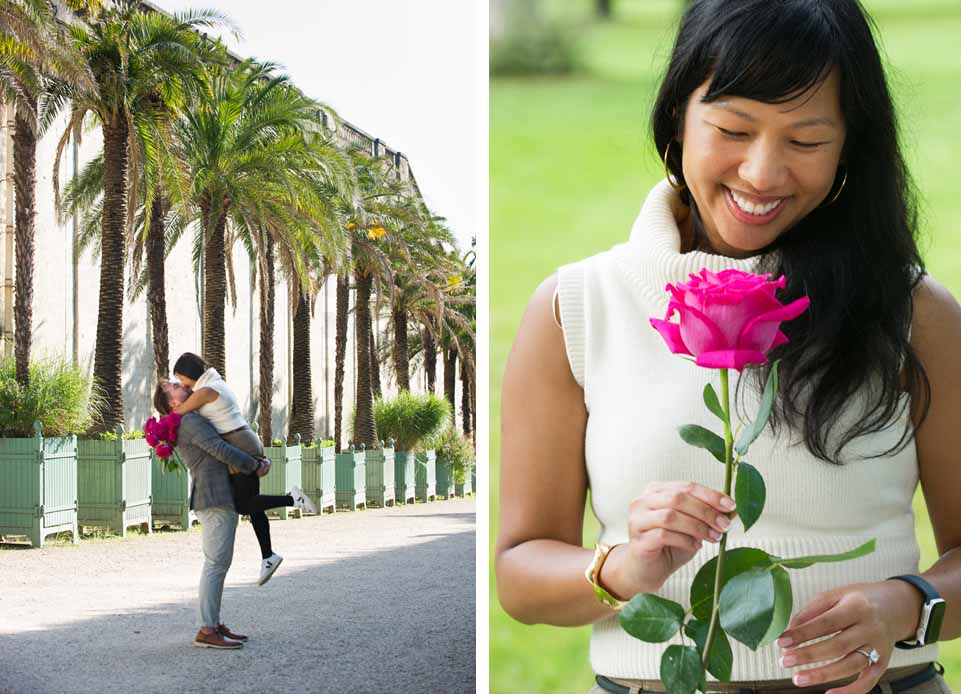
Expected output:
(302, 501)
(268, 567)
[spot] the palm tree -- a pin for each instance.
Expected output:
(340, 352)
(256, 161)
(456, 338)
(134, 55)
(32, 47)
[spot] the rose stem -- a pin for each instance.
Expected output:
(728, 470)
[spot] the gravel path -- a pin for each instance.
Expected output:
(378, 601)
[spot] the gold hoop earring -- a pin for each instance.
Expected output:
(838, 194)
(678, 186)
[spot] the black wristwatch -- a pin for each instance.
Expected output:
(932, 613)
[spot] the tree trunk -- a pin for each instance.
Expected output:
(430, 360)
(25, 186)
(465, 401)
(302, 412)
(365, 430)
(450, 380)
(401, 366)
(107, 365)
(267, 344)
(340, 354)
(215, 295)
(473, 398)
(374, 363)
(156, 294)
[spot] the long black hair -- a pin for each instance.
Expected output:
(191, 365)
(857, 259)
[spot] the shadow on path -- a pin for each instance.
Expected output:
(397, 620)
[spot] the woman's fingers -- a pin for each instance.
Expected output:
(656, 539)
(690, 498)
(673, 519)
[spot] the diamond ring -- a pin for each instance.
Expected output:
(872, 657)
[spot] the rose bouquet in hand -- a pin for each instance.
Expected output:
(161, 435)
(727, 321)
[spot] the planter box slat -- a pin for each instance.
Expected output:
(379, 465)
(38, 487)
(319, 476)
(404, 476)
(426, 478)
(171, 494)
(114, 484)
(286, 471)
(445, 478)
(351, 479)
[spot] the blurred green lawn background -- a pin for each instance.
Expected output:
(570, 166)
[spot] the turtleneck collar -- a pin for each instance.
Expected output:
(654, 248)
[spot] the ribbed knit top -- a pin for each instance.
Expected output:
(224, 412)
(637, 393)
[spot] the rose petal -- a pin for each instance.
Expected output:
(761, 331)
(730, 358)
(699, 333)
(671, 332)
(779, 339)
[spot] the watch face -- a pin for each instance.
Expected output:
(935, 622)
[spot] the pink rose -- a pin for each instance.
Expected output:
(164, 450)
(149, 426)
(727, 319)
(152, 440)
(173, 424)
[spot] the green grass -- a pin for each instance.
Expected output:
(571, 164)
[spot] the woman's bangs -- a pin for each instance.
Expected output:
(773, 60)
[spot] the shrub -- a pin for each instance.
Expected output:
(456, 450)
(59, 395)
(277, 442)
(534, 48)
(411, 418)
(327, 443)
(127, 435)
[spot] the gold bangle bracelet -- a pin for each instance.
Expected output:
(593, 575)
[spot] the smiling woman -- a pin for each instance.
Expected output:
(780, 147)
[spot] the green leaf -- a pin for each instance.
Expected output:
(747, 606)
(749, 493)
(712, 402)
(721, 661)
(804, 562)
(736, 561)
(681, 669)
(763, 413)
(783, 604)
(703, 438)
(651, 618)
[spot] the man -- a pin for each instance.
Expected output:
(207, 456)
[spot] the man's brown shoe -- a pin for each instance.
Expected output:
(214, 640)
(227, 633)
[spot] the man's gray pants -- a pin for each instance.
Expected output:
(219, 528)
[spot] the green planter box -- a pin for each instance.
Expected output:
(171, 493)
(404, 476)
(425, 479)
(352, 478)
(473, 478)
(464, 489)
(114, 483)
(319, 476)
(380, 480)
(445, 479)
(286, 471)
(38, 486)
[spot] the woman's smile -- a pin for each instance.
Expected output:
(752, 209)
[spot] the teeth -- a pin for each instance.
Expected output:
(751, 208)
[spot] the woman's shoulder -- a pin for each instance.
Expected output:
(936, 320)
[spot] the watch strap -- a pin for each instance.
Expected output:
(930, 594)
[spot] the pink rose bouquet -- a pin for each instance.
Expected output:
(726, 320)
(161, 435)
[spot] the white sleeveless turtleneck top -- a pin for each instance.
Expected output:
(637, 393)
(224, 412)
